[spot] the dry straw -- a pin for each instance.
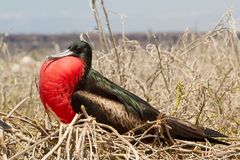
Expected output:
(196, 79)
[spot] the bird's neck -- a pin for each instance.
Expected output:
(87, 58)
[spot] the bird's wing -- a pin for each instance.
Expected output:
(98, 84)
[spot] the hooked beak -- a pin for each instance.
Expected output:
(61, 54)
(4, 126)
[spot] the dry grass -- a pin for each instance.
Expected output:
(198, 80)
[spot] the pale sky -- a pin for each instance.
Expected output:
(67, 16)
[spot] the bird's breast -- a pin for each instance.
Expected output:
(58, 81)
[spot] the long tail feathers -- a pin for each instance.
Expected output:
(182, 130)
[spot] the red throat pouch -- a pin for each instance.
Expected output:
(58, 81)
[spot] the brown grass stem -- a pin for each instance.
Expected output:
(63, 137)
(160, 64)
(111, 34)
(32, 146)
(16, 107)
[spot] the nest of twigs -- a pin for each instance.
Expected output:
(25, 138)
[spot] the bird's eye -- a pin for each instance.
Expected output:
(79, 49)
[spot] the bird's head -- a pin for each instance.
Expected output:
(79, 49)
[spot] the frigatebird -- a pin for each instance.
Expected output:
(67, 81)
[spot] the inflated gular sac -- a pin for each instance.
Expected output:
(57, 84)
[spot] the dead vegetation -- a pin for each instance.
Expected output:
(198, 80)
